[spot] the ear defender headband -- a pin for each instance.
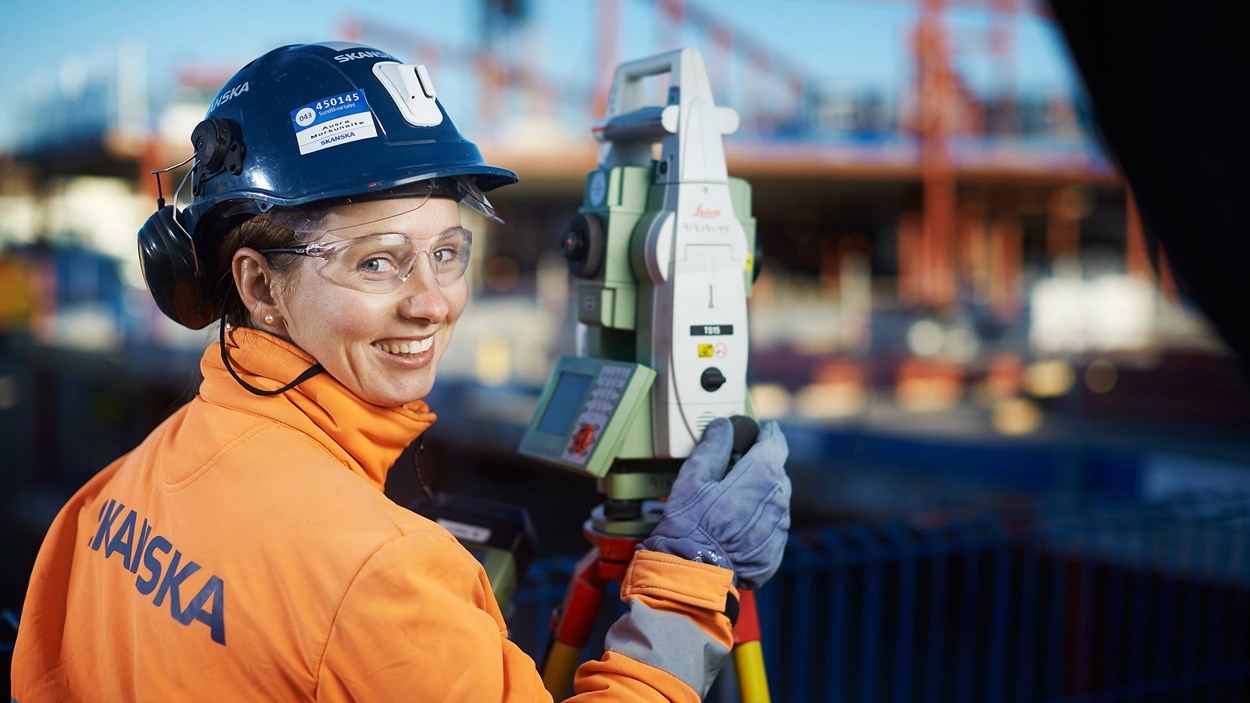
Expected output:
(176, 276)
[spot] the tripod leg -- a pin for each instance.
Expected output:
(747, 652)
(571, 630)
(559, 667)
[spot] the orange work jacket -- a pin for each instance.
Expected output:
(246, 551)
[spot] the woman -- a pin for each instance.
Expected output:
(245, 550)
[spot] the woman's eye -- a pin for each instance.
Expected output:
(377, 264)
(446, 254)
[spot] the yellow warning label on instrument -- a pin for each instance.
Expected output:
(705, 351)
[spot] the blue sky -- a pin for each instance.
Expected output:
(857, 42)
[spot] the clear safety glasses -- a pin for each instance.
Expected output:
(380, 263)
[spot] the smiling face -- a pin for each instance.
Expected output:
(384, 347)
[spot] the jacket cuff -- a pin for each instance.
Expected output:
(672, 578)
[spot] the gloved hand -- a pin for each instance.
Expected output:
(738, 520)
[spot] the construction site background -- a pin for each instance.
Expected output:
(958, 306)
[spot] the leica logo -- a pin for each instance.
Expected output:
(706, 212)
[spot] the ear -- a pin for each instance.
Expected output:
(258, 287)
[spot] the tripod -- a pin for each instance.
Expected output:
(614, 529)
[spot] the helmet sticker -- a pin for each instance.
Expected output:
(338, 119)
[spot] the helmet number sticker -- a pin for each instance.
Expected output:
(338, 119)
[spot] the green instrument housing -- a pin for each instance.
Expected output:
(622, 201)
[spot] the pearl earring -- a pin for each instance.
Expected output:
(268, 319)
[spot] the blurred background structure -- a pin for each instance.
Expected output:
(959, 314)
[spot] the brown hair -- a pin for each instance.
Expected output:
(256, 233)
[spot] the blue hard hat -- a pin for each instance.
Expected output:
(312, 122)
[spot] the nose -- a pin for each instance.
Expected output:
(424, 298)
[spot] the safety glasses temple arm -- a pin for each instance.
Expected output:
(303, 251)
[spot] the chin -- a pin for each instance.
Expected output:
(397, 398)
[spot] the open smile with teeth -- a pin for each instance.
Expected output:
(406, 348)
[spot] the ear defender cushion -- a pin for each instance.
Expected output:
(167, 257)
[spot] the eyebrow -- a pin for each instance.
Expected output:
(450, 231)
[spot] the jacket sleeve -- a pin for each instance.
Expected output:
(673, 639)
(419, 620)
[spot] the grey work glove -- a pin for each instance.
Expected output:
(737, 520)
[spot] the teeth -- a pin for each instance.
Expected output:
(405, 347)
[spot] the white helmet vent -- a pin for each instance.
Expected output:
(412, 90)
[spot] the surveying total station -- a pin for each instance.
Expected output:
(663, 255)
(662, 251)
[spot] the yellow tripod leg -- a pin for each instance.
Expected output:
(749, 666)
(748, 653)
(559, 667)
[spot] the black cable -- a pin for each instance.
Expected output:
(160, 197)
(416, 469)
(309, 373)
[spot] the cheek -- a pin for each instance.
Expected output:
(354, 318)
(342, 320)
(457, 300)
(324, 314)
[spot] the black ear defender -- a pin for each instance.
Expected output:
(172, 269)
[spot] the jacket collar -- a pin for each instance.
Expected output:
(367, 438)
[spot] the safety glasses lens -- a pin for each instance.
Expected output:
(380, 263)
